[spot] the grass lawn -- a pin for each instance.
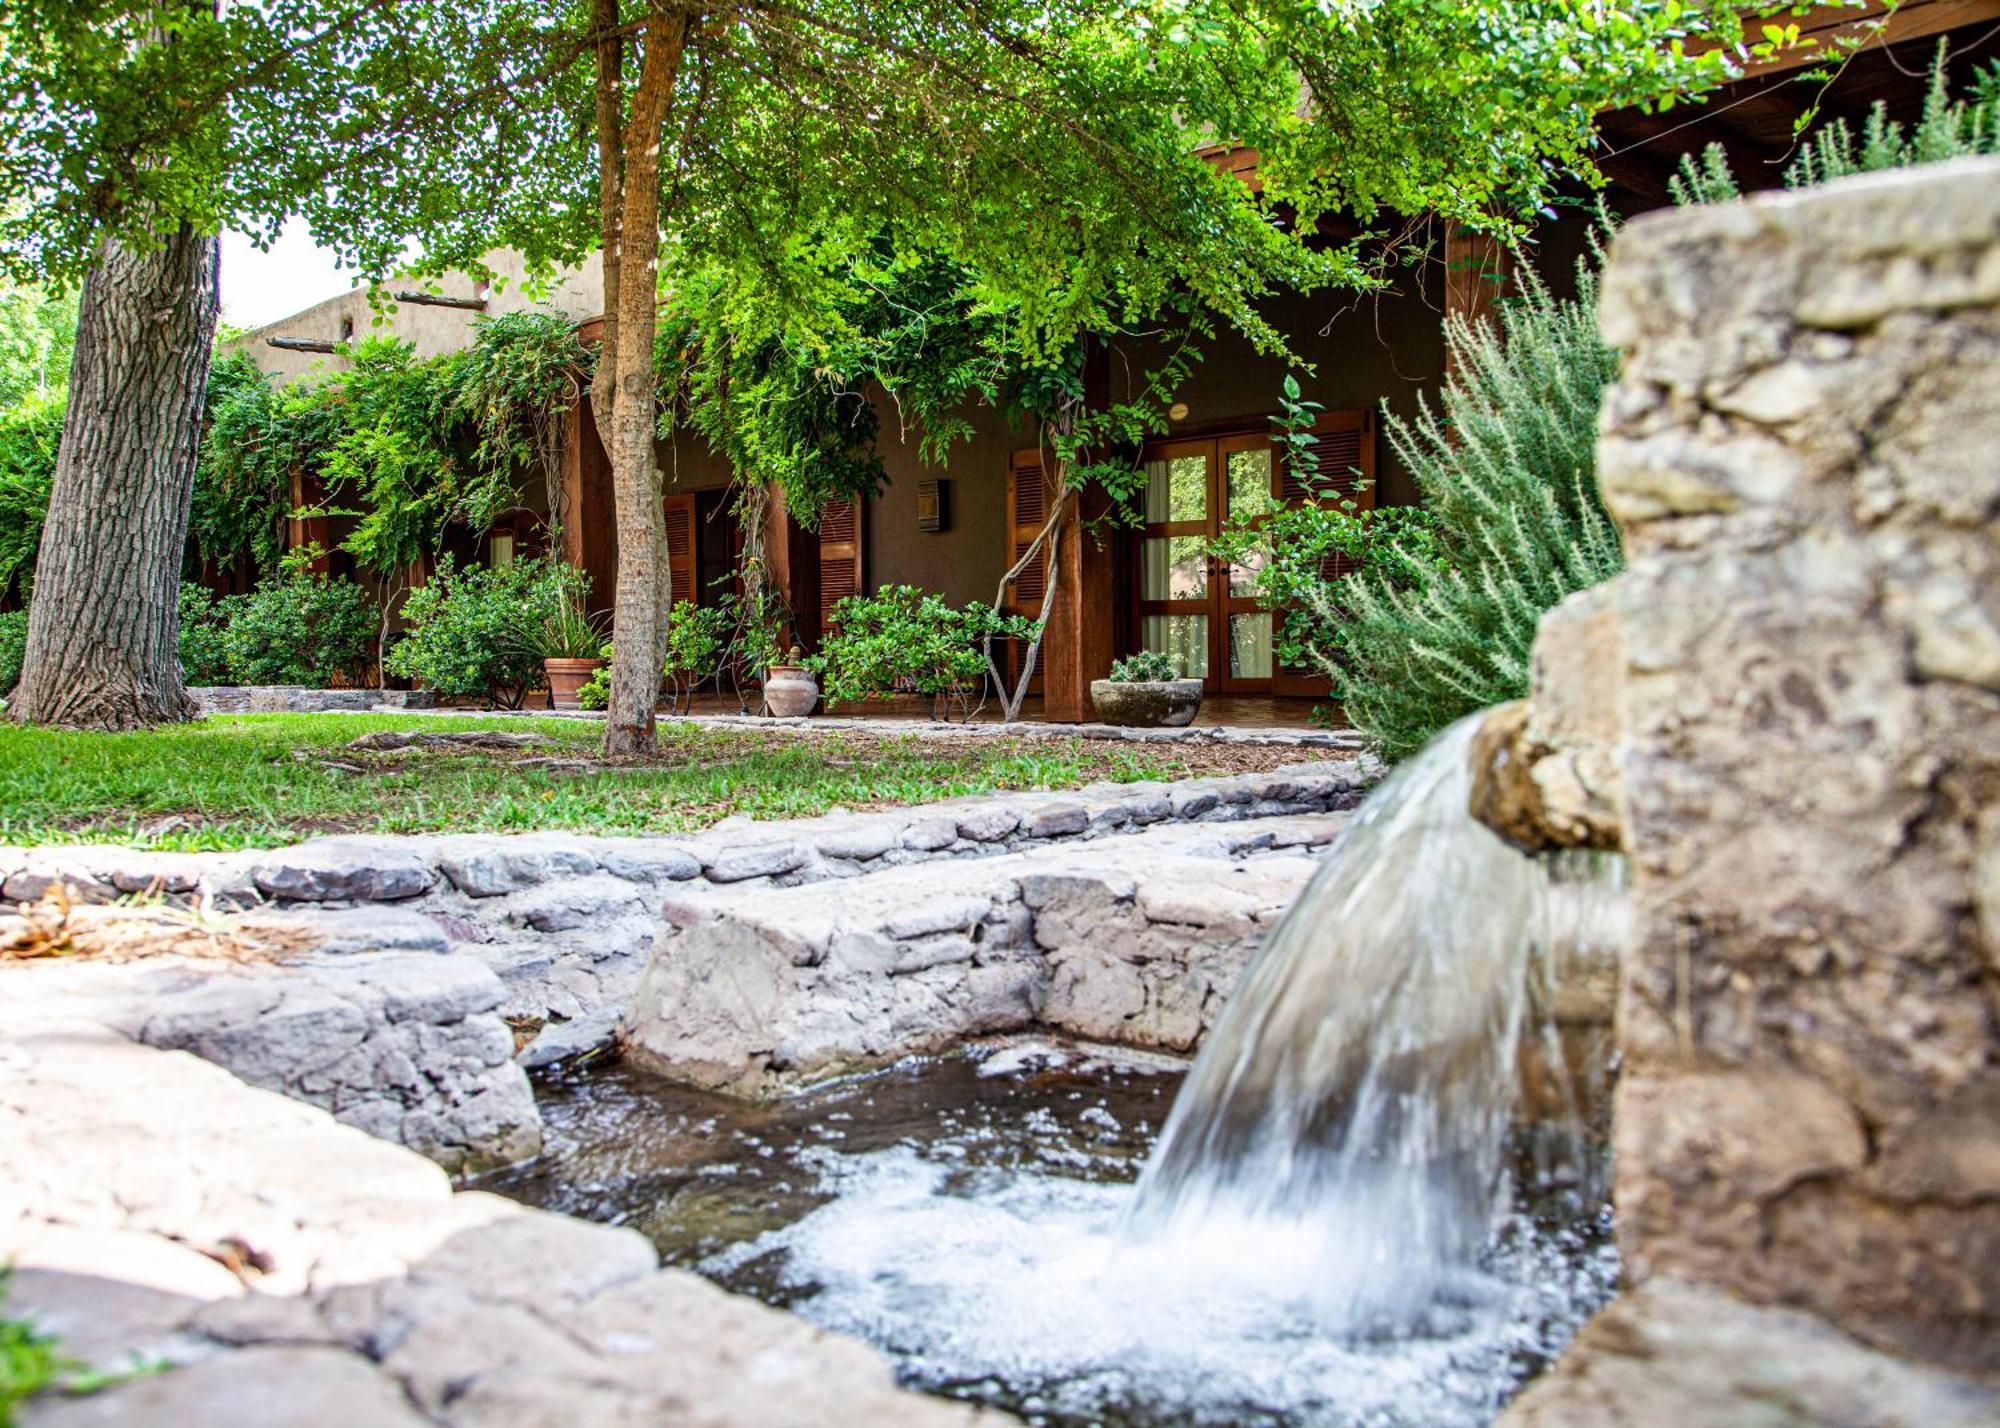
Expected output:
(262, 780)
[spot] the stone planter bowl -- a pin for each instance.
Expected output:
(1147, 704)
(566, 676)
(790, 692)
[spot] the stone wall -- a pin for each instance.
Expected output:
(1804, 457)
(1134, 941)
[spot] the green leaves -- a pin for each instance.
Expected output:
(470, 631)
(901, 640)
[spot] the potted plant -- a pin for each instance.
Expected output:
(1144, 691)
(570, 641)
(790, 690)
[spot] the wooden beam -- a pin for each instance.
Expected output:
(471, 304)
(303, 344)
(1824, 25)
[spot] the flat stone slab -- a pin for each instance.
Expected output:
(1132, 941)
(288, 1270)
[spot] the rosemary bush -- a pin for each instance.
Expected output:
(1507, 465)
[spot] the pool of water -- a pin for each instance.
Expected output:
(967, 1214)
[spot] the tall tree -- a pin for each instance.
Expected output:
(1054, 152)
(118, 167)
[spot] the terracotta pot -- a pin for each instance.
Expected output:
(790, 691)
(566, 676)
(1147, 703)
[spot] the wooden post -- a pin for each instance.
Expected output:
(1077, 646)
(1476, 270)
(791, 564)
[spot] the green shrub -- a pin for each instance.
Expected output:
(1508, 469)
(204, 655)
(698, 640)
(13, 648)
(900, 640)
(299, 628)
(567, 629)
(1147, 666)
(29, 435)
(471, 631)
(595, 692)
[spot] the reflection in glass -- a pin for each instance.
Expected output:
(1243, 573)
(1250, 484)
(1182, 638)
(1173, 568)
(1250, 646)
(1177, 489)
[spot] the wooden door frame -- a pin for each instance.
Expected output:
(1226, 602)
(1216, 604)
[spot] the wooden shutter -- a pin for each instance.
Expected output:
(1027, 512)
(1342, 468)
(679, 515)
(841, 541)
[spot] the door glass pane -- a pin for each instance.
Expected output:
(1243, 573)
(1173, 568)
(1250, 646)
(1182, 638)
(1177, 490)
(1250, 484)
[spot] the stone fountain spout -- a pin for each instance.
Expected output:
(1545, 769)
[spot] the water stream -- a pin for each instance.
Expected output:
(1342, 1220)
(1348, 1114)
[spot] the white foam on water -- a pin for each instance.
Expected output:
(975, 1280)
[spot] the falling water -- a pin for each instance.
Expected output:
(1349, 1112)
(1325, 1233)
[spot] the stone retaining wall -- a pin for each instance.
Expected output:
(1134, 941)
(289, 1272)
(406, 1046)
(566, 921)
(302, 699)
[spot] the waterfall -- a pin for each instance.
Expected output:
(1347, 1118)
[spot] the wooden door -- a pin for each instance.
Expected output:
(1027, 511)
(1342, 468)
(1176, 605)
(1204, 612)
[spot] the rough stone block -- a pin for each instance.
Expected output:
(343, 869)
(988, 825)
(759, 860)
(1058, 820)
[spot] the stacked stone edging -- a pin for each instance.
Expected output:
(303, 699)
(567, 920)
(1134, 942)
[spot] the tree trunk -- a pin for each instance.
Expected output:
(104, 622)
(644, 585)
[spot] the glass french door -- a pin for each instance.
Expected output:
(1199, 610)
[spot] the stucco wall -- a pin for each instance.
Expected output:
(433, 330)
